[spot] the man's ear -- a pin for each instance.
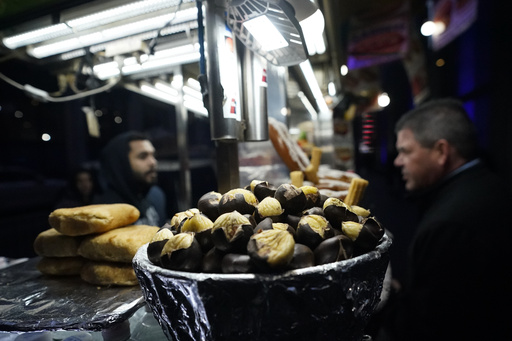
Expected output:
(443, 148)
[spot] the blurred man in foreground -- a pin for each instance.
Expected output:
(458, 284)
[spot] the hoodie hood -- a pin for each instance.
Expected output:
(118, 172)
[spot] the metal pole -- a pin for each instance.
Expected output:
(223, 130)
(185, 187)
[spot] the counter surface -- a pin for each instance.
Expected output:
(30, 301)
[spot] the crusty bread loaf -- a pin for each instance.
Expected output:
(108, 273)
(52, 243)
(84, 220)
(117, 245)
(60, 266)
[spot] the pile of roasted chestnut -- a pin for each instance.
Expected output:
(264, 229)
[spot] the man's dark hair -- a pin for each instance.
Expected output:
(132, 135)
(442, 119)
(136, 136)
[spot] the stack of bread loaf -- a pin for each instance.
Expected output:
(96, 242)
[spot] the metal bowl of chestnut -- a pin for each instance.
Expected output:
(265, 263)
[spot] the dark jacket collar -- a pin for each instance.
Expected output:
(425, 197)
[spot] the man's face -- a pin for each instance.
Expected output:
(420, 166)
(143, 162)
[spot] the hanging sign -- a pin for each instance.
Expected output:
(457, 16)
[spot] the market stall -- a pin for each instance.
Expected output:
(241, 86)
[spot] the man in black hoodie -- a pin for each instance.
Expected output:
(129, 169)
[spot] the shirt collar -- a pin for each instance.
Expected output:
(462, 168)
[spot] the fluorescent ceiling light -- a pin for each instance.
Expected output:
(183, 27)
(158, 94)
(106, 70)
(166, 88)
(161, 63)
(188, 91)
(37, 36)
(189, 102)
(194, 84)
(195, 105)
(309, 74)
(120, 13)
(307, 105)
(109, 34)
(73, 54)
(89, 21)
(265, 33)
(164, 58)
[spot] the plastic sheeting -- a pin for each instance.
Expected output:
(326, 302)
(30, 301)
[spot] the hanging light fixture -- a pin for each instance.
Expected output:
(286, 46)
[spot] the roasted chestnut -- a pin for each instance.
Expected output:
(312, 196)
(314, 210)
(292, 220)
(156, 244)
(303, 257)
(336, 211)
(292, 198)
(351, 229)
(251, 219)
(313, 229)
(208, 204)
(201, 225)
(238, 199)
(334, 249)
(233, 263)
(231, 232)
(268, 224)
(360, 211)
(284, 227)
(264, 224)
(269, 207)
(366, 235)
(212, 261)
(323, 198)
(178, 218)
(262, 189)
(271, 250)
(182, 253)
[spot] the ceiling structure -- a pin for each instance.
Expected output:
(338, 14)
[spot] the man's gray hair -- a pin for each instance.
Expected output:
(442, 119)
